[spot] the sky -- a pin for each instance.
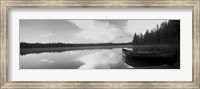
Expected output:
(83, 31)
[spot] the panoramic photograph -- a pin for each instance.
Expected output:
(99, 44)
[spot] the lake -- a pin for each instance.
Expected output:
(75, 59)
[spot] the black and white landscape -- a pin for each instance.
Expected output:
(99, 44)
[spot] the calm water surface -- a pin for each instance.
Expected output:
(77, 59)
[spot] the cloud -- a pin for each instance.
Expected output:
(135, 27)
(140, 26)
(100, 31)
(46, 61)
(97, 31)
(46, 34)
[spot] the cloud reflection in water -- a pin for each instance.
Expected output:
(46, 61)
(104, 59)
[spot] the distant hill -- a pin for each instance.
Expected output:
(50, 45)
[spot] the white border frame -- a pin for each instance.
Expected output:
(184, 74)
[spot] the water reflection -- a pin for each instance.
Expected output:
(106, 59)
(76, 59)
(26, 51)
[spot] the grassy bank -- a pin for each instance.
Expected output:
(24, 51)
(160, 48)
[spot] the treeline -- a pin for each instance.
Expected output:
(50, 45)
(166, 33)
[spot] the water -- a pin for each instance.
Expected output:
(75, 59)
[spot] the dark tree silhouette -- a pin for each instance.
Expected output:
(166, 33)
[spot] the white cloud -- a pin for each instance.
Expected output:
(140, 26)
(100, 31)
(46, 61)
(46, 34)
